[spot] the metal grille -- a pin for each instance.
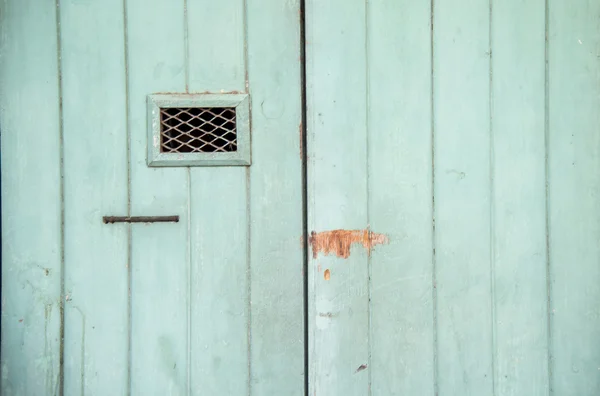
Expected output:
(198, 130)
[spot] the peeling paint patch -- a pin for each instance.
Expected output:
(327, 275)
(339, 242)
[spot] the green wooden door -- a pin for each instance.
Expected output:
(211, 305)
(438, 235)
(453, 192)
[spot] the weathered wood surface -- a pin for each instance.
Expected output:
(95, 169)
(470, 141)
(31, 199)
(211, 304)
(337, 189)
(452, 189)
(573, 144)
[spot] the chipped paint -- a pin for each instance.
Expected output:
(339, 242)
(327, 275)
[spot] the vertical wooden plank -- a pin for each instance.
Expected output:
(518, 37)
(277, 325)
(219, 214)
(337, 194)
(400, 191)
(219, 302)
(574, 187)
(160, 252)
(31, 205)
(462, 197)
(95, 177)
(216, 45)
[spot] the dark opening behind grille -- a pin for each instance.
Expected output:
(198, 130)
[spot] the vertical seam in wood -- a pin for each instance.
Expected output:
(61, 380)
(129, 227)
(189, 284)
(249, 278)
(311, 208)
(369, 269)
(248, 209)
(3, 33)
(547, 193)
(304, 193)
(433, 239)
(188, 357)
(492, 230)
(246, 61)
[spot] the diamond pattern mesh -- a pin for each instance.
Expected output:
(198, 130)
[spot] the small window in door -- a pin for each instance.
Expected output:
(198, 130)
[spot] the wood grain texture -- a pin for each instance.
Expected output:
(219, 214)
(160, 254)
(337, 194)
(463, 201)
(31, 203)
(519, 193)
(95, 177)
(574, 187)
(275, 198)
(400, 197)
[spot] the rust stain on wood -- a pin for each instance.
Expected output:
(339, 242)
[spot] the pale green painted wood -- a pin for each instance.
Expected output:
(219, 215)
(400, 190)
(462, 197)
(277, 324)
(160, 253)
(337, 194)
(219, 291)
(31, 216)
(370, 158)
(216, 35)
(574, 186)
(518, 196)
(95, 179)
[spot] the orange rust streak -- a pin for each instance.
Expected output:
(340, 241)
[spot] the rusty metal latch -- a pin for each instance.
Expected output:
(140, 219)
